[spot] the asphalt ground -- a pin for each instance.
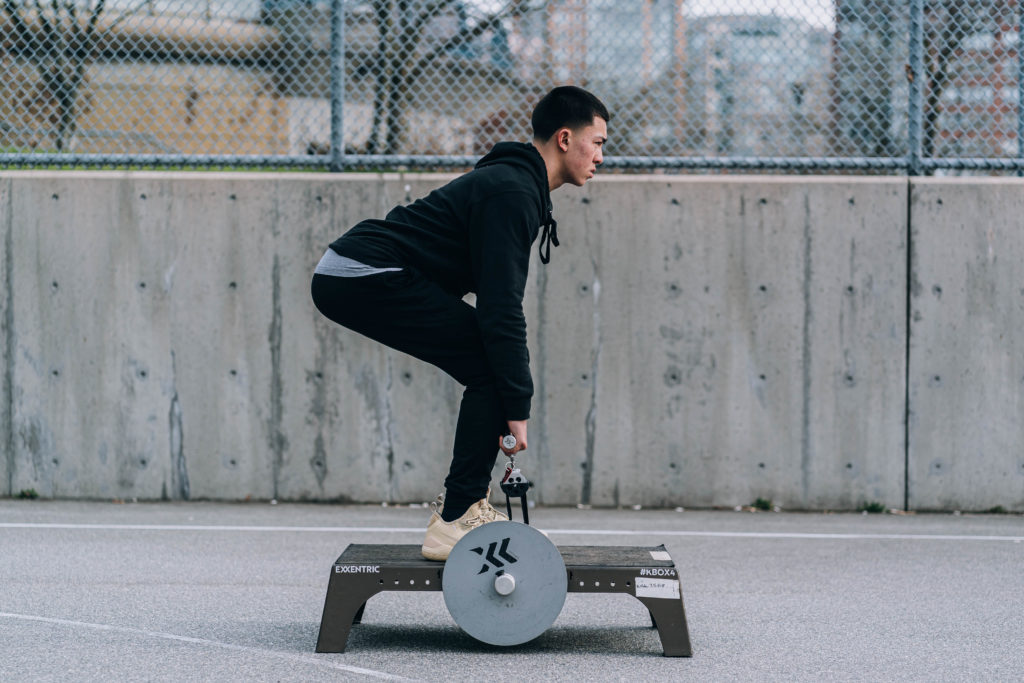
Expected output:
(204, 591)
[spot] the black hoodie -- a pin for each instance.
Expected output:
(474, 235)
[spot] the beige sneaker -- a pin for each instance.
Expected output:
(437, 507)
(498, 515)
(442, 536)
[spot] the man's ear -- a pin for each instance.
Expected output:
(562, 138)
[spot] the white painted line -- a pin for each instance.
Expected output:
(213, 527)
(780, 534)
(567, 532)
(211, 643)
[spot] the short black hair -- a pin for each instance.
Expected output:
(566, 106)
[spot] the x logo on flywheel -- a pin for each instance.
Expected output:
(503, 554)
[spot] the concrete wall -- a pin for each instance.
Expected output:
(967, 353)
(696, 338)
(695, 341)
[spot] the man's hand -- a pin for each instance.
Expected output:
(516, 428)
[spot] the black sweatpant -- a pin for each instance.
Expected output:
(404, 310)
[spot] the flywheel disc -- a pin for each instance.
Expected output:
(504, 583)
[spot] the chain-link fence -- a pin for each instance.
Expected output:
(884, 85)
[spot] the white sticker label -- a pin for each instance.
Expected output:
(660, 555)
(657, 588)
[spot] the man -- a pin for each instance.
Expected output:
(400, 281)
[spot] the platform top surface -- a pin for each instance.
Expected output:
(572, 555)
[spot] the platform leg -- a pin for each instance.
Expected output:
(343, 607)
(358, 618)
(669, 618)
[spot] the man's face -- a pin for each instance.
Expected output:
(583, 150)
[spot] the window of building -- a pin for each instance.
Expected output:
(972, 95)
(976, 94)
(1009, 94)
(981, 41)
(950, 95)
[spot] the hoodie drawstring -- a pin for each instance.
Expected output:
(548, 238)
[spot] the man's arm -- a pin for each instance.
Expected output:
(501, 235)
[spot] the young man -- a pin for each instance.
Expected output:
(400, 281)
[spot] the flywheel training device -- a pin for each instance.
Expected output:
(505, 583)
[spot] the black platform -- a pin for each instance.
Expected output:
(648, 574)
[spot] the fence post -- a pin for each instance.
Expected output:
(1020, 89)
(915, 90)
(337, 85)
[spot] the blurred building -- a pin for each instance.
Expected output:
(619, 44)
(629, 52)
(153, 84)
(968, 79)
(757, 85)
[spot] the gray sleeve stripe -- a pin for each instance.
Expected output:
(337, 265)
